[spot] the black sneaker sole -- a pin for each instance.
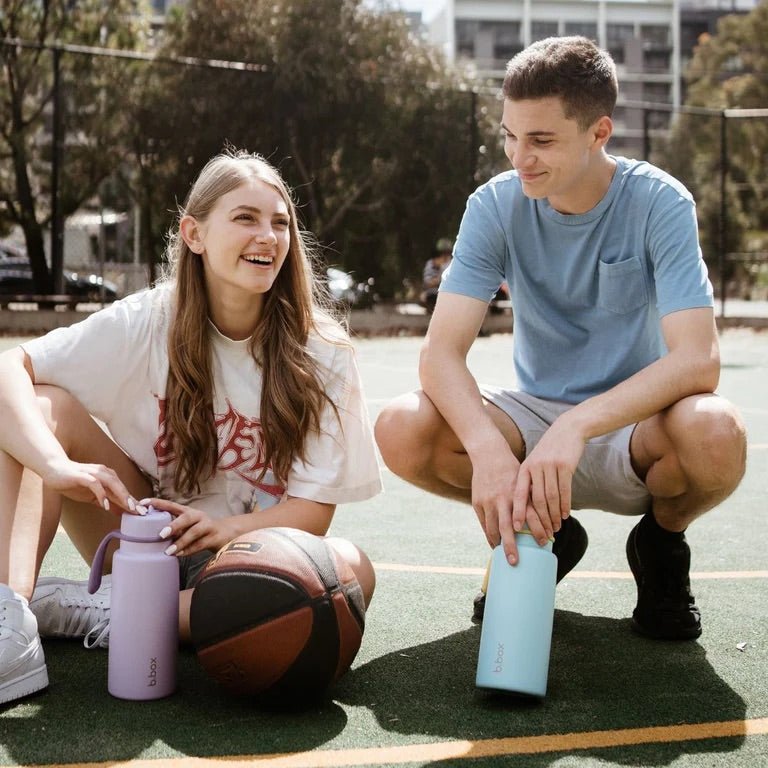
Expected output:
(674, 629)
(571, 542)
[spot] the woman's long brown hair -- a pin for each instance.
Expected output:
(293, 395)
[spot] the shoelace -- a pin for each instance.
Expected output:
(83, 615)
(98, 635)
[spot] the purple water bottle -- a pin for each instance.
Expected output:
(144, 612)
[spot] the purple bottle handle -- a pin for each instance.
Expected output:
(94, 579)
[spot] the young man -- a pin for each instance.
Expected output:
(615, 346)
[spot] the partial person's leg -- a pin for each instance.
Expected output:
(63, 607)
(28, 524)
(30, 514)
(691, 456)
(418, 445)
(23, 670)
(359, 563)
(29, 518)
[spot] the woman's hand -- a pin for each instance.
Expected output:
(192, 530)
(91, 483)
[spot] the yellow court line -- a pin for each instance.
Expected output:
(455, 570)
(456, 750)
(408, 568)
(698, 575)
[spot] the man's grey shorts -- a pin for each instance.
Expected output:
(604, 478)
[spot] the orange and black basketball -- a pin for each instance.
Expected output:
(277, 613)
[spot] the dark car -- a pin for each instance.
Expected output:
(16, 281)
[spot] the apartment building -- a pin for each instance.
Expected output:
(650, 41)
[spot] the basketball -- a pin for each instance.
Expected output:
(277, 613)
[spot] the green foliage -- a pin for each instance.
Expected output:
(728, 71)
(92, 97)
(366, 122)
(380, 139)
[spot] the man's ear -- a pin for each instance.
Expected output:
(189, 230)
(602, 130)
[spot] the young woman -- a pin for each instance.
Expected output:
(230, 400)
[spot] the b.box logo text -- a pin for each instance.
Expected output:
(152, 677)
(499, 662)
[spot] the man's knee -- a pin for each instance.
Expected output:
(407, 431)
(395, 431)
(710, 439)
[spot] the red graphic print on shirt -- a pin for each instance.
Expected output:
(241, 447)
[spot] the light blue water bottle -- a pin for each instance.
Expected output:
(517, 625)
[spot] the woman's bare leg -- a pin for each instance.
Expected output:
(30, 514)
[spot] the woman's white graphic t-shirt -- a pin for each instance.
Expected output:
(116, 364)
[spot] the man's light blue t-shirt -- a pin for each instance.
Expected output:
(588, 290)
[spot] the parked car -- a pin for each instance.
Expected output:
(16, 280)
(344, 288)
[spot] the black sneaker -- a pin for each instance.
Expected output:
(570, 545)
(660, 563)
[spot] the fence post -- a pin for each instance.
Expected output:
(723, 222)
(473, 138)
(57, 224)
(646, 135)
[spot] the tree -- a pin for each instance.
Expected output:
(93, 96)
(728, 71)
(365, 120)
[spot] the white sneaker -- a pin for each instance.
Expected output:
(22, 662)
(65, 609)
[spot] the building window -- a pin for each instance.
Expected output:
(506, 39)
(656, 92)
(656, 61)
(466, 32)
(543, 29)
(658, 34)
(490, 43)
(583, 28)
(616, 38)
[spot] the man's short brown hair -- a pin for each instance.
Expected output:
(573, 69)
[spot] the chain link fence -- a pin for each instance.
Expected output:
(720, 155)
(116, 231)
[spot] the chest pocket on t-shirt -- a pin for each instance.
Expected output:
(621, 286)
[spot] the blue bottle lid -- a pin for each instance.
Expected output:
(524, 538)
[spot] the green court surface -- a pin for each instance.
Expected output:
(614, 698)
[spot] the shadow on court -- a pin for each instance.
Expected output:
(76, 720)
(601, 677)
